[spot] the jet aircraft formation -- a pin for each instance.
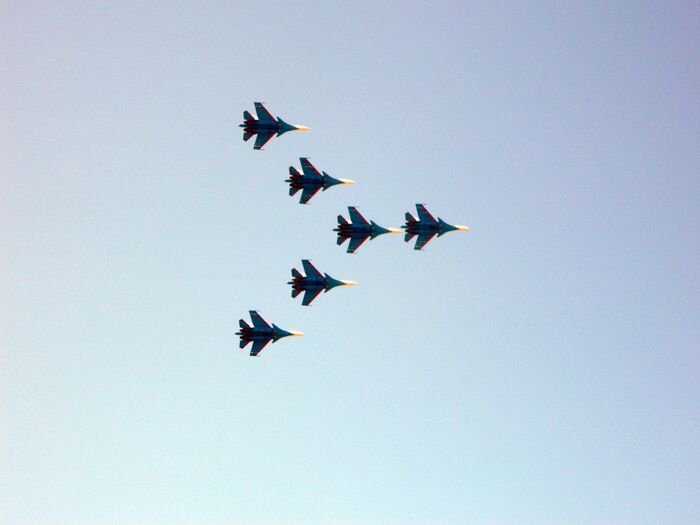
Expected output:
(357, 229)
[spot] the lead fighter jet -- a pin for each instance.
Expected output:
(358, 230)
(265, 126)
(426, 227)
(313, 283)
(260, 333)
(311, 181)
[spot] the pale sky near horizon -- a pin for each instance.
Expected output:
(541, 368)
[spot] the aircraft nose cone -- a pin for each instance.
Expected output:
(301, 128)
(346, 181)
(393, 230)
(296, 333)
(462, 228)
(349, 283)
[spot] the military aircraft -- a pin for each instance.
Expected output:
(260, 333)
(265, 126)
(313, 283)
(426, 227)
(311, 181)
(358, 230)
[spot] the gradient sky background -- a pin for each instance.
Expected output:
(540, 369)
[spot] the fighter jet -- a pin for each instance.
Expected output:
(260, 333)
(265, 126)
(311, 181)
(426, 227)
(359, 230)
(313, 283)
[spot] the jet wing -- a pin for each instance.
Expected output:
(258, 345)
(258, 321)
(263, 114)
(422, 240)
(424, 215)
(309, 269)
(355, 243)
(356, 217)
(307, 193)
(262, 139)
(309, 169)
(310, 295)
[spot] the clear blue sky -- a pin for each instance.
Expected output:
(540, 369)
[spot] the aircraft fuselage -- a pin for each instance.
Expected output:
(355, 230)
(418, 227)
(305, 182)
(304, 283)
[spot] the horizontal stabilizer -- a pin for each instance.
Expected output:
(247, 116)
(341, 240)
(296, 273)
(294, 171)
(410, 218)
(293, 190)
(243, 343)
(295, 292)
(246, 136)
(243, 324)
(408, 236)
(342, 220)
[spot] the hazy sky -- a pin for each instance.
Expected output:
(540, 369)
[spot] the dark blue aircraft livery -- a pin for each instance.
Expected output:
(310, 181)
(260, 333)
(265, 126)
(358, 230)
(426, 227)
(313, 283)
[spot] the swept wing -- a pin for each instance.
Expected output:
(355, 243)
(356, 217)
(263, 114)
(307, 193)
(310, 295)
(309, 169)
(422, 240)
(309, 269)
(261, 139)
(258, 321)
(258, 345)
(424, 215)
